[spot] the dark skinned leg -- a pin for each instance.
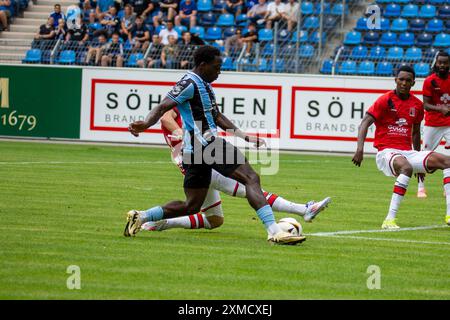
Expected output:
(438, 161)
(194, 200)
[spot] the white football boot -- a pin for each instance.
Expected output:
(155, 225)
(134, 223)
(314, 208)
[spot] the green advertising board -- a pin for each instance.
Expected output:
(40, 101)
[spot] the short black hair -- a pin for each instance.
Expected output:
(441, 53)
(205, 54)
(406, 68)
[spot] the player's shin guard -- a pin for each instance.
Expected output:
(401, 184)
(266, 215)
(447, 188)
(282, 205)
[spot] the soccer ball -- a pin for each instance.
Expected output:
(291, 226)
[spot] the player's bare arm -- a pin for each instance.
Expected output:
(168, 121)
(366, 122)
(152, 118)
(443, 108)
(226, 124)
(416, 137)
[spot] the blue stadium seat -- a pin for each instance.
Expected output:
(359, 52)
(377, 53)
(430, 53)
(366, 68)
(348, 67)
(338, 9)
(424, 40)
(427, 11)
(218, 5)
(442, 40)
(265, 35)
(352, 38)
(444, 12)
(307, 8)
(311, 23)
(361, 24)
(283, 35)
(371, 38)
(159, 28)
(384, 69)
(422, 69)
(198, 30)
(388, 39)
(326, 8)
(447, 25)
(204, 5)
(416, 25)
(406, 39)
(413, 54)
(279, 65)
(207, 19)
(268, 50)
(67, 56)
(385, 24)
(303, 36)
(228, 64)
(219, 46)
(33, 56)
(395, 53)
(437, 2)
(329, 23)
(180, 29)
(419, 2)
(401, 1)
(327, 66)
(225, 20)
(410, 11)
(262, 65)
(213, 33)
(392, 10)
(242, 20)
(287, 51)
(228, 32)
(306, 51)
(314, 37)
(133, 59)
(435, 25)
(399, 25)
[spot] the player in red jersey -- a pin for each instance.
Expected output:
(211, 215)
(397, 116)
(436, 101)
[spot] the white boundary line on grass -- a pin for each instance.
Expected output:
(347, 235)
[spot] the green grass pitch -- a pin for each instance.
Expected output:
(63, 205)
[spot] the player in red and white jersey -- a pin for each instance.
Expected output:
(397, 116)
(211, 215)
(436, 101)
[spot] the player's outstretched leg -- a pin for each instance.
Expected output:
(247, 176)
(194, 199)
(233, 188)
(439, 161)
(403, 167)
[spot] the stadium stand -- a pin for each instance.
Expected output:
(331, 37)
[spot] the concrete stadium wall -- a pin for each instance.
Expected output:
(294, 112)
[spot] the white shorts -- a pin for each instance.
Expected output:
(432, 136)
(212, 205)
(417, 159)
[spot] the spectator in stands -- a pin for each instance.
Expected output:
(257, 12)
(127, 22)
(154, 55)
(46, 31)
(139, 35)
(79, 34)
(57, 15)
(292, 10)
(238, 40)
(110, 23)
(170, 53)
(275, 12)
(5, 13)
(187, 14)
(143, 8)
(113, 53)
(61, 30)
(103, 8)
(87, 9)
(187, 48)
(167, 11)
(169, 31)
(233, 7)
(93, 25)
(96, 50)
